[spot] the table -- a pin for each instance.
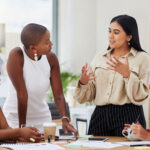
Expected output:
(111, 139)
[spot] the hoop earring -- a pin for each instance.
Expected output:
(129, 43)
(35, 55)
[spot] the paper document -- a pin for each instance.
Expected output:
(93, 144)
(135, 143)
(36, 146)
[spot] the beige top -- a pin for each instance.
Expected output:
(109, 87)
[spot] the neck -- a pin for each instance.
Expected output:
(119, 52)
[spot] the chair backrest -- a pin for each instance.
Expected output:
(54, 111)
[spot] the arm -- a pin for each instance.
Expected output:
(3, 122)
(85, 93)
(25, 133)
(15, 72)
(56, 85)
(7, 133)
(85, 90)
(137, 88)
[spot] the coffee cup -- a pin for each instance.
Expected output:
(127, 132)
(49, 130)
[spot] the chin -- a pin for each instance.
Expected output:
(48, 51)
(112, 47)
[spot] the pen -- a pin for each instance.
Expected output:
(137, 119)
(141, 145)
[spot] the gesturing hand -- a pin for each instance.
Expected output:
(118, 66)
(86, 77)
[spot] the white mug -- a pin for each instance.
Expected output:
(128, 134)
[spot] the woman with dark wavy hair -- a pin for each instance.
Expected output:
(117, 80)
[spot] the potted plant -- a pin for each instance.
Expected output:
(67, 79)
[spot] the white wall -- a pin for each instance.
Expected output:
(107, 9)
(12, 41)
(77, 29)
(83, 28)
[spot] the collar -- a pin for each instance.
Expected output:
(132, 52)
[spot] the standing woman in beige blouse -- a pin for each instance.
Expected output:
(117, 80)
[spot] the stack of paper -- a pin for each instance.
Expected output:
(36, 146)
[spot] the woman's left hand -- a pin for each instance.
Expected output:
(118, 66)
(68, 127)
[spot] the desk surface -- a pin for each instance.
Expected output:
(111, 139)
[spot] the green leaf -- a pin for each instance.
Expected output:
(67, 79)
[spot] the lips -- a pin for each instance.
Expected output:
(111, 42)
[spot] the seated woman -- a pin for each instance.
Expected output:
(25, 134)
(139, 131)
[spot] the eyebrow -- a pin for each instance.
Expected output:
(114, 29)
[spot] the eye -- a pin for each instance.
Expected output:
(116, 32)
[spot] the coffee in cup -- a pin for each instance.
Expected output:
(49, 130)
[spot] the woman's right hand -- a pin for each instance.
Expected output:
(29, 132)
(86, 77)
(140, 132)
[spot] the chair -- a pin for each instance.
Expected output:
(82, 121)
(54, 111)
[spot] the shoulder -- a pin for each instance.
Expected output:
(142, 60)
(51, 55)
(16, 52)
(15, 56)
(52, 59)
(143, 57)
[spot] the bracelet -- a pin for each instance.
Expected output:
(65, 117)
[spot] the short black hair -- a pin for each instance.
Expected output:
(130, 27)
(32, 34)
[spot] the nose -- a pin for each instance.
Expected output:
(110, 35)
(51, 44)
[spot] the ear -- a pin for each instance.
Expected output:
(129, 38)
(32, 47)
